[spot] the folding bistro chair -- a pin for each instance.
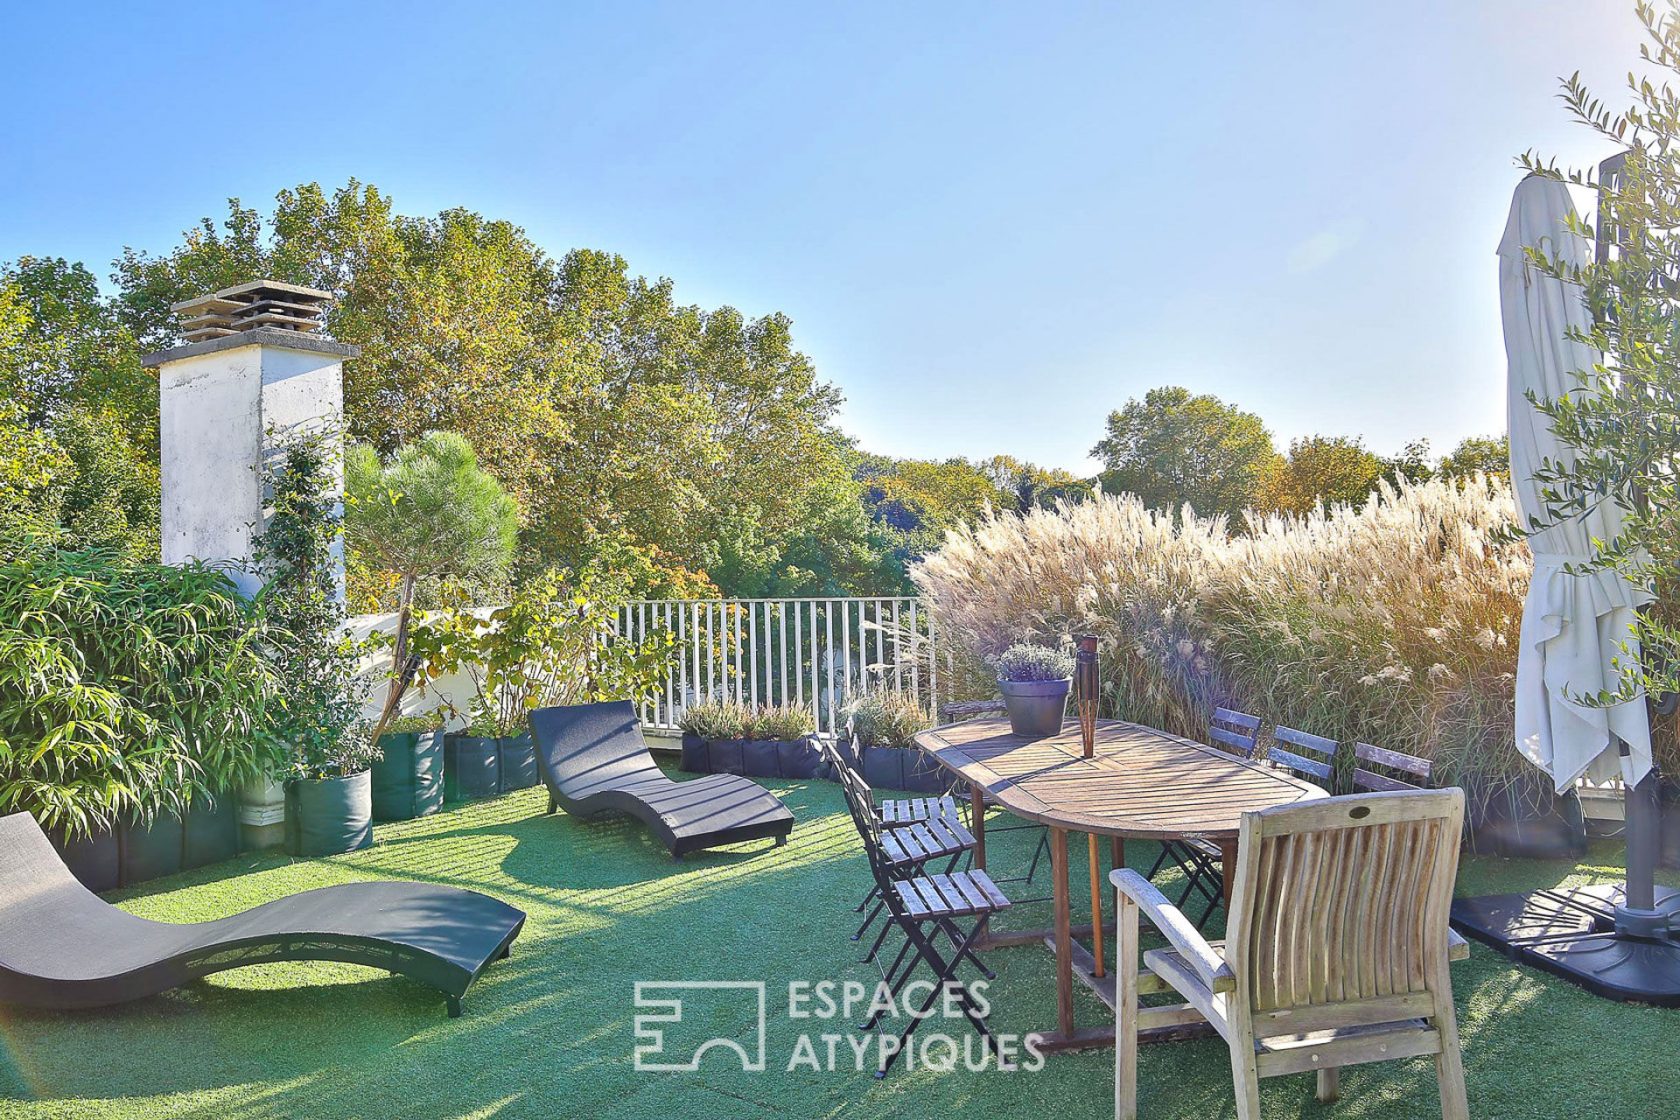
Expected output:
(923, 907)
(966, 709)
(1374, 769)
(909, 845)
(1236, 733)
(1335, 953)
(1312, 757)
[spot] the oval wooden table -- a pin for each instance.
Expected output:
(1140, 783)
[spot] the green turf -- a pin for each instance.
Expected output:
(549, 1033)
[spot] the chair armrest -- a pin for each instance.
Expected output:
(1176, 928)
(1458, 949)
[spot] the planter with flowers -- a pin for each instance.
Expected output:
(883, 728)
(771, 741)
(1035, 681)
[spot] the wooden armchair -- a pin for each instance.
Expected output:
(1335, 954)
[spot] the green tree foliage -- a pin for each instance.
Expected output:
(1035, 487)
(78, 430)
(599, 402)
(1623, 420)
(1487, 455)
(1332, 470)
(1413, 464)
(428, 513)
(1173, 448)
(303, 606)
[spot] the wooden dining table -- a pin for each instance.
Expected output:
(1140, 783)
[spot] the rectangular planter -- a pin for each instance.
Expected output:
(1528, 823)
(726, 756)
(95, 860)
(152, 849)
(210, 832)
(408, 779)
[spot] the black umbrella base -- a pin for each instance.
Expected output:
(1571, 933)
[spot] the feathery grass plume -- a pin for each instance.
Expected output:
(1394, 624)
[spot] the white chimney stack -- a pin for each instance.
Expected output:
(254, 364)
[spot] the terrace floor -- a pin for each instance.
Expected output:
(550, 1032)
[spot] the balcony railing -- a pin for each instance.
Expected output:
(814, 653)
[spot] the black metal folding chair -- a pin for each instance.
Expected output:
(923, 907)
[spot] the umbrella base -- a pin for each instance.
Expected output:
(1571, 933)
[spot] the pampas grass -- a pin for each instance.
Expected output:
(1394, 624)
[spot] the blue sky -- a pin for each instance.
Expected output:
(991, 224)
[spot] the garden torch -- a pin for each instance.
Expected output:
(1085, 679)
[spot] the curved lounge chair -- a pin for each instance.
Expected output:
(63, 947)
(594, 760)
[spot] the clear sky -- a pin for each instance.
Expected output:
(991, 224)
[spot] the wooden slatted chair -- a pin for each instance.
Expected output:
(924, 907)
(1416, 772)
(1235, 733)
(1308, 756)
(1335, 954)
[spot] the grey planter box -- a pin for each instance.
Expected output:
(96, 860)
(472, 768)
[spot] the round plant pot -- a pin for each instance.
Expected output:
(1036, 708)
(517, 762)
(472, 768)
(326, 816)
(210, 831)
(408, 778)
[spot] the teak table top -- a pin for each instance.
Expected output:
(1142, 783)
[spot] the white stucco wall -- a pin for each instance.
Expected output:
(216, 412)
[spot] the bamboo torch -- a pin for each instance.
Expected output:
(1085, 678)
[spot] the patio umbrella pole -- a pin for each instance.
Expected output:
(1639, 916)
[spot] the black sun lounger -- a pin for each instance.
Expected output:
(63, 947)
(594, 760)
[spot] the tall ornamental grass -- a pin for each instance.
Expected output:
(1394, 624)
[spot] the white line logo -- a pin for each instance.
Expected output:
(650, 1033)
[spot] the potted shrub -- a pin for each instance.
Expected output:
(771, 741)
(1035, 681)
(788, 730)
(551, 644)
(883, 731)
(407, 778)
(329, 790)
(714, 736)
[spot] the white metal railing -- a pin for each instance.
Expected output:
(815, 653)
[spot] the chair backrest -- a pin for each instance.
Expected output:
(1234, 732)
(1415, 772)
(585, 748)
(1305, 755)
(1344, 900)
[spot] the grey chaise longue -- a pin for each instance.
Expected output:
(594, 760)
(63, 947)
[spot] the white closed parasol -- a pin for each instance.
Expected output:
(1573, 626)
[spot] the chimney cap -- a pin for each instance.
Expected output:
(242, 295)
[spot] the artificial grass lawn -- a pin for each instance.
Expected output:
(550, 1032)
